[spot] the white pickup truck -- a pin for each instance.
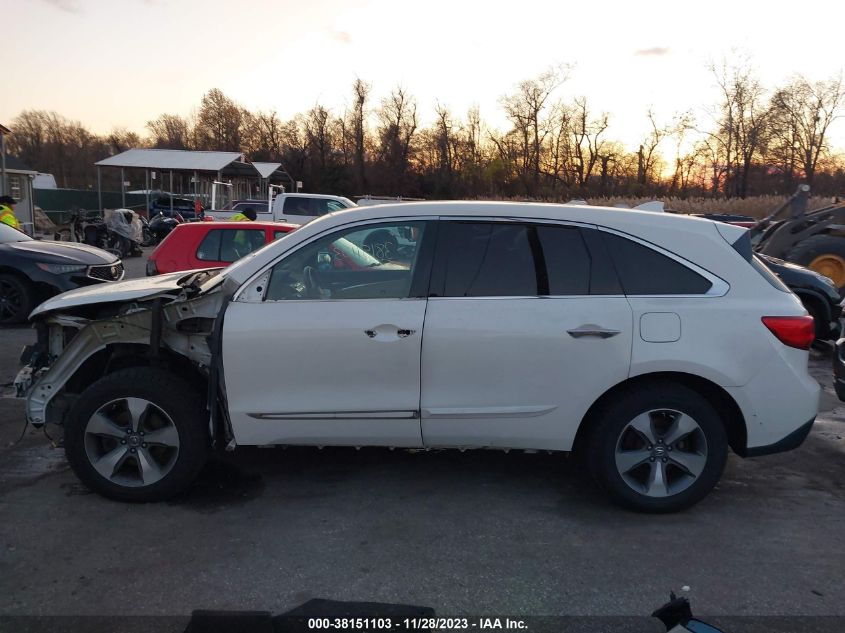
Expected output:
(294, 208)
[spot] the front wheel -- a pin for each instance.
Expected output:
(137, 435)
(658, 448)
(16, 299)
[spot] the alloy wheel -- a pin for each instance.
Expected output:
(661, 452)
(131, 442)
(11, 300)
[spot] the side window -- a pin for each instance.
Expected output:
(322, 206)
(297, 206)
(486, 260)
(644, 271)
(209, 248)
(568, 262)
(228, 245)
(235, 243)
(278, 234)
(342, 266)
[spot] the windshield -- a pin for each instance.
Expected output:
(8, 234)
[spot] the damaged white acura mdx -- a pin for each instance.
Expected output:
(648, 344)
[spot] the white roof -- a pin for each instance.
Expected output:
(172, 159)
(666, 230)
(265, 169)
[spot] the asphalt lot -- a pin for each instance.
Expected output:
(474, 533)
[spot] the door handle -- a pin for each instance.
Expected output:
(592, 330)
(400, 332)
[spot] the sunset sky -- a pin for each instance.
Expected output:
(119, 63)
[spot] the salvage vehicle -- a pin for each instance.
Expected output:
(34, 270)
(647, 344)
(211, 244)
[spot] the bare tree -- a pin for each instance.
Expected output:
(219, 122)
(169, 131)
(741, 123)
(587, 143)
(361, 92)
(398, 122)
(803, 112)
(526, 109)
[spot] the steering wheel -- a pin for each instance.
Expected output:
(312, 288)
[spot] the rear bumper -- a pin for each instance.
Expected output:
(839, 369)
(791, 441)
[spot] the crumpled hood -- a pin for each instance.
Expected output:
(120, 291)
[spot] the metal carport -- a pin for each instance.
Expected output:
(201, 169)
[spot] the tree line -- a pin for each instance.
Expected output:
(752, 140)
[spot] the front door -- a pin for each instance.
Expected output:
(331, 355)
(525, 328)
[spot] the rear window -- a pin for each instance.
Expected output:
(311, 206)
(228, 245)
(644, 271)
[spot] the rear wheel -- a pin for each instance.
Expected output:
(137, 435)
(657, 448)
(16, 299)
(824, 254)
(148, 239)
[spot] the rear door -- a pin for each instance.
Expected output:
(526, 326)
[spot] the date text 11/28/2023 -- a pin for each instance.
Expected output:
(416, 624)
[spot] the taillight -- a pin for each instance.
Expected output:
(794, 331)
(152, 269)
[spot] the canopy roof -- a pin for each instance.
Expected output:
(172, 159)
(266, 169)
(14, 164)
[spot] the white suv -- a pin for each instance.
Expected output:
(648, 344)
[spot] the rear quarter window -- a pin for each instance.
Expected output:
(644, 271)
(298, 206)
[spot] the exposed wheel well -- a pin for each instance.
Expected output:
(123, 356)
(718, 397)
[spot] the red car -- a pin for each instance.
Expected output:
(212, 244)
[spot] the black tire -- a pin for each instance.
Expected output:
(176, 398)
(608, 426)
(382, 245)
(819, 321)
(17, 298)
(805, 252)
